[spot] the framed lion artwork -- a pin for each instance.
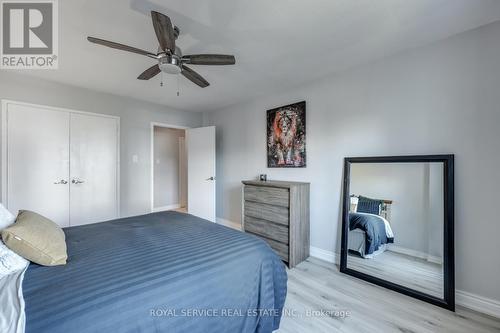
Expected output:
(286, 136)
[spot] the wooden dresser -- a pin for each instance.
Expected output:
(278, 212)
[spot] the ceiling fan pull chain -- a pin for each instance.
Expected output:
(161, 82)
(178, 94)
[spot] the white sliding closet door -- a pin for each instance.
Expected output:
(93, 169)
(38, 161)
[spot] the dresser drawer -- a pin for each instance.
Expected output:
(267, 229)
(268, 195)
(280, 248)
(267, 212)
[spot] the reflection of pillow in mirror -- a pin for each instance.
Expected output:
(369, 206)
(354, 204)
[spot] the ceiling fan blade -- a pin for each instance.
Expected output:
(164, 31)
(209, 59)
(194, 77)
(149, 73)
(122, 47)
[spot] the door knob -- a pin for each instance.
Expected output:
(211, 178)
(77, 181)
(61, 182)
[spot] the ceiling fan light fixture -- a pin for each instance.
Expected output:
(169, 56)
(170, 64)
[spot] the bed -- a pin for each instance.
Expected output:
(369, 229)
(161, 272)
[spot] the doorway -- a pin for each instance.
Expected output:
(168, 168)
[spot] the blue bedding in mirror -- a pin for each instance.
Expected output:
(374, 227)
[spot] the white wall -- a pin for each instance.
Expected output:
(166, 178)
(136, 117)
(441, 98)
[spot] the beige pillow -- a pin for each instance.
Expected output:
(37, 239)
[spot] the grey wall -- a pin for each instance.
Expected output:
(166, 179)
(135, 118)
(441, 98)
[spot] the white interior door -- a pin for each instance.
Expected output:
(93, 169)
(38, 161)
(200, 144)
(182, 172)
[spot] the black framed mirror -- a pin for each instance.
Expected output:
(398, 224)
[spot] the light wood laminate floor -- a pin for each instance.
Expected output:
(412, 272)
(315, 285)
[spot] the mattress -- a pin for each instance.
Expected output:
(161, 272)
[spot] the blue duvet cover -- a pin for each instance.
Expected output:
(162, 272)
(374, 228)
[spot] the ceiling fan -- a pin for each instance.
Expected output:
(169, 56)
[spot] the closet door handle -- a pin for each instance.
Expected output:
(61, 182)
(77, 181)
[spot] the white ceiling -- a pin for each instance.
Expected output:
(278, 44)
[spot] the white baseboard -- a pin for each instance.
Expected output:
(478, 303)
(164, 208)
(474, 302)
(324, 255)
(414, 253)
(435, 259)
(228, 223)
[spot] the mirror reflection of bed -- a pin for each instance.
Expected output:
(396, 223)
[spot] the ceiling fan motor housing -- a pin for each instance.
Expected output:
(170, 64)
